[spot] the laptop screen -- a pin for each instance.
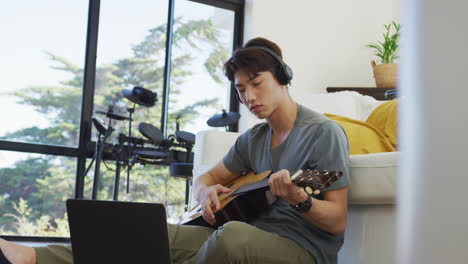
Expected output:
(118, 232)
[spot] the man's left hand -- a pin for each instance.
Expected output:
(282, 186)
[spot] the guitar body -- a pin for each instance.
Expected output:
(232, 205)
(240, 208)
(247, 197)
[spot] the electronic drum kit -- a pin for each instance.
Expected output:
(162, 151)
(152, 149)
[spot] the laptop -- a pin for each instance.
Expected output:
(118, 232)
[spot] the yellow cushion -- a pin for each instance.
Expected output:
(385, 119)
(363, 138)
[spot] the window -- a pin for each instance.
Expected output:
(130, 52)
(64, 62)
(41, 67)
(199, 89)
(33, 191)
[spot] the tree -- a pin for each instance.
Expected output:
(46, 182)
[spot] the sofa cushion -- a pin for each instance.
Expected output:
(363, 138)
(385, 119)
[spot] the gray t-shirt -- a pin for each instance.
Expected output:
(315, 142)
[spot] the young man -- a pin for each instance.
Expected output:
(295, 228)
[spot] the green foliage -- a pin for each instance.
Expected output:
(42, 226)
(214, 65)
(387, 50)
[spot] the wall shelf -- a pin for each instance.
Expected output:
(377, 93)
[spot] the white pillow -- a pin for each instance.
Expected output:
(340, 103)
(346, 103)
(365, 105)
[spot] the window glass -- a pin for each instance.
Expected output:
(33, 191)
(42, 51)
(131, 52)
(199, 89)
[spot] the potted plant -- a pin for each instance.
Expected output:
(385, 73)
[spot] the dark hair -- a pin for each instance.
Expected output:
(253, 60)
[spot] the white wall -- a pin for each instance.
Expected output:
(322, 41)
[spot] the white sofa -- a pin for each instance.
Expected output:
(370, 233)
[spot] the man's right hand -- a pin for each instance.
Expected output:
(208, 196)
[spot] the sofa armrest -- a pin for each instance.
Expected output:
(373, 178)
(210, 147)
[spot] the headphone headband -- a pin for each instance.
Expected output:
(285, 74)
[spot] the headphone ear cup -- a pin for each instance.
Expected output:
(284, 74)
(280, 75)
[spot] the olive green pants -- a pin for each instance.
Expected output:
(235, 242)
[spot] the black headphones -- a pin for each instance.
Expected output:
(284, 74)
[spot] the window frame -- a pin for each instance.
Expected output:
(86, 147)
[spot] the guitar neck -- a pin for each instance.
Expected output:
(316, 179)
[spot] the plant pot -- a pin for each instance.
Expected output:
(386, 75)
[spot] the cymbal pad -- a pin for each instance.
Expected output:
(151, 132)
(184, 136)
(224, 119)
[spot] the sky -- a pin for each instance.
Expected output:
(28, 30)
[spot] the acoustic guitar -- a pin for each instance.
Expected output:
(247, 197)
